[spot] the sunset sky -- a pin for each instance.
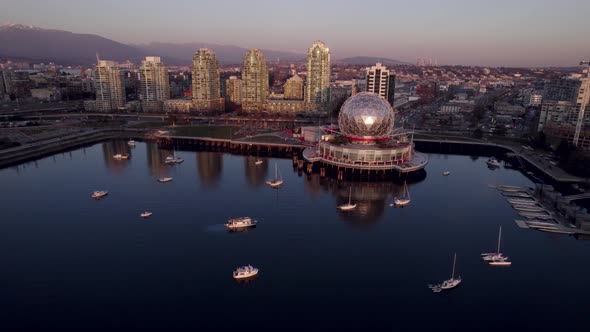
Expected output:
(469, 32)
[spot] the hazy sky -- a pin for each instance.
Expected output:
(471, 32)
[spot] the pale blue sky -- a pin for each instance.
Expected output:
(471, 32)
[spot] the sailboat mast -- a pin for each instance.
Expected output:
(454, 261)
(349, 195)
(276, 172)
(499, 238)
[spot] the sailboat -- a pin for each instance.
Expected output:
(277, 181)
(404, 200)
(453, 282)
(349, 205)
(496, 258)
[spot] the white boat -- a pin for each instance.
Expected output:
(240, 222)
(99, 194)
(453, 282)
(146, 214)
(258, 162)
(496, 257)
(173, 160)
(277, 181)
(164, 180)
(349, 205)
(118, 156)
(405, 199)
(500, 262)
(446, 173)
(245, 272)
(131, 143)
(493, 162)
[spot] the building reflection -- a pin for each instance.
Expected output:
(372, 198)
(111, 148)
(156, 157)
(255, 174)
(209, 168)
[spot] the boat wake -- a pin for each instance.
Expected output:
(216, 228)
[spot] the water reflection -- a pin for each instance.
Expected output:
(111, 148)
(372, 198)
(156, 157)
(255, 174)
(210, 168)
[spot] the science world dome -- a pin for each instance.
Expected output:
(366, 116)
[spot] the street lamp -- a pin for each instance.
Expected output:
(584, 103)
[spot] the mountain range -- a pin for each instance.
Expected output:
(68, 48)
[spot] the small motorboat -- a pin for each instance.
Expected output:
(131, 143)
(258, 162)
(163, 180)
(118, 156)
(245, 272)
(446, 173)
(173, 160)
(240, 222)
(99, 194)
(146, 214)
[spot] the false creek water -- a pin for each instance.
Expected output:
(71, 262)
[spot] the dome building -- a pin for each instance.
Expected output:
(366, 139)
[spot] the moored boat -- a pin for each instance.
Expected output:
(146, 214)
(446, 173)
(403, 200)
(493, 162)
(277, 181)
(348, 206)
(131, 143)
(163, 180)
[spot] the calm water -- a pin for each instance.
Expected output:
(69, 262)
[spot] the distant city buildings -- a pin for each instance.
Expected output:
(254, 81)
(381, 82)
(233, 90)
(294, 88)
(4, 85)
(560, 110)
(155, 84)
(205, 82)
(317, 93)
(108, 85)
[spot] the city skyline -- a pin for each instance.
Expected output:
(527, 33)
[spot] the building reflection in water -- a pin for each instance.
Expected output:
(156, 157)
(372, 198)
(111, 148)
(209, 168)
(255, 174)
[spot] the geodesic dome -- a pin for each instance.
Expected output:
(366, 116)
